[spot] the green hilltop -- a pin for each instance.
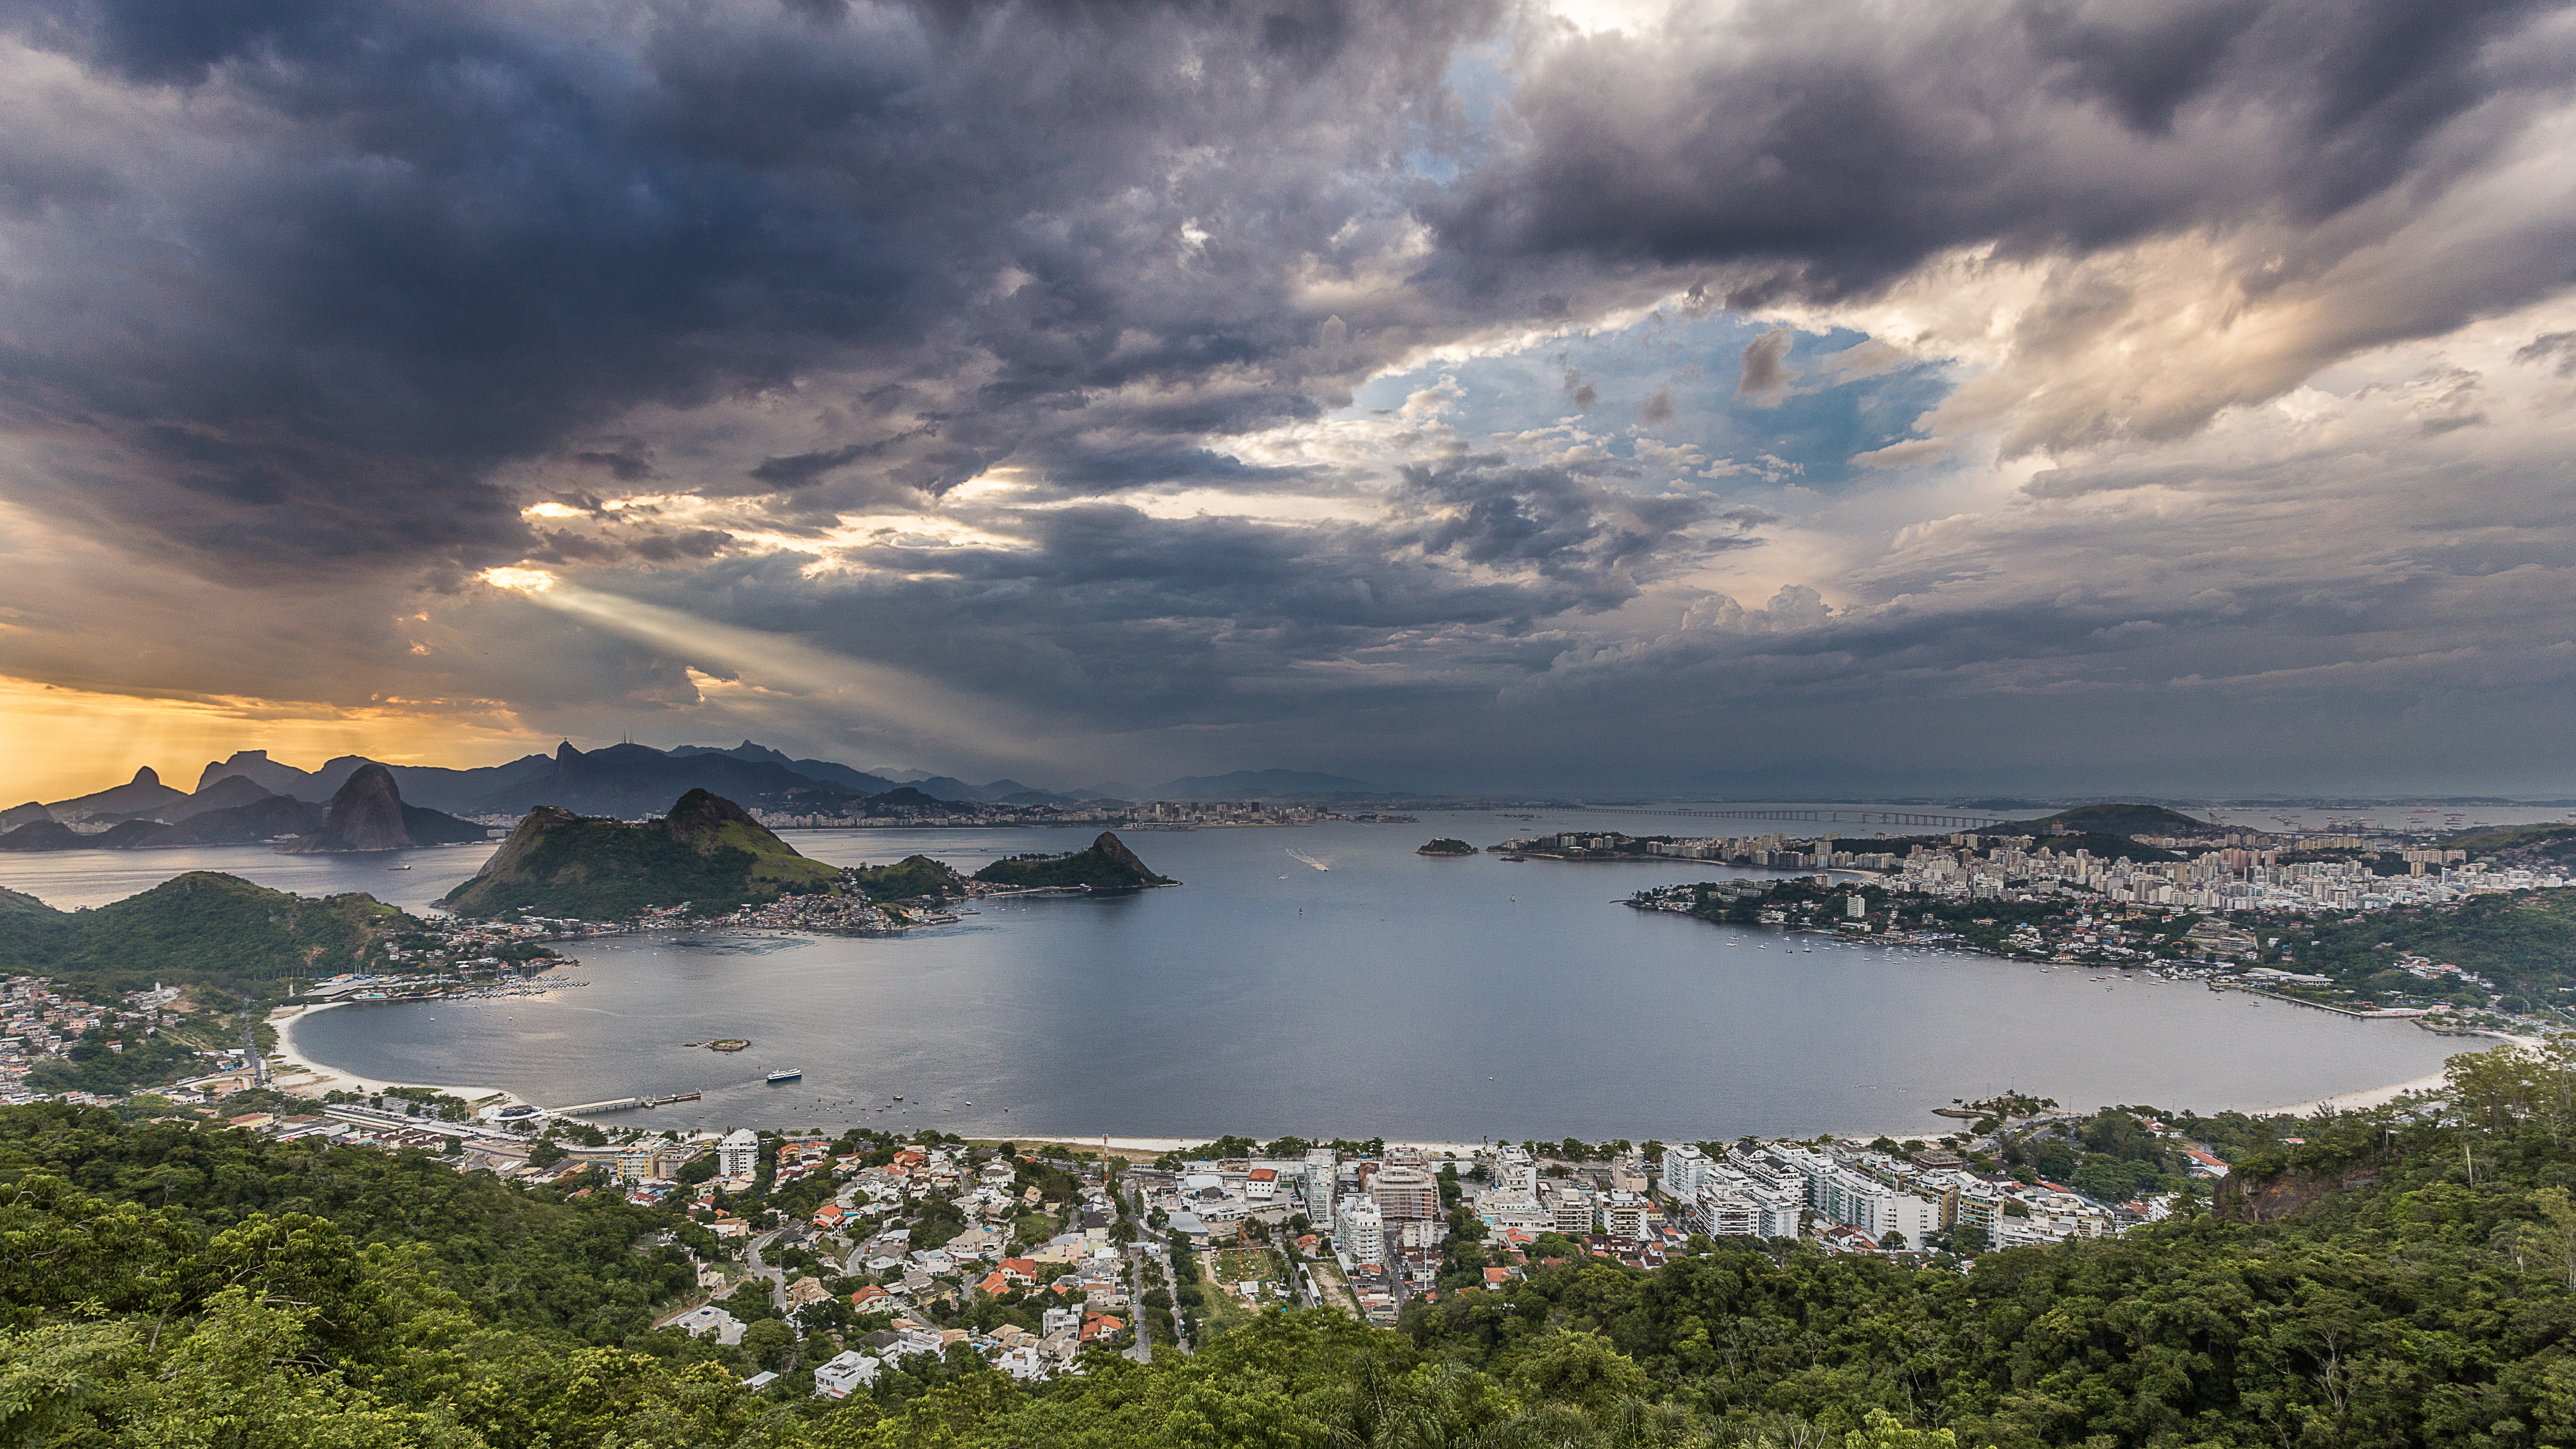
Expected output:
(199, 928)
(1107, 866)
(908, 878)
(2117, 819)
(707, 852)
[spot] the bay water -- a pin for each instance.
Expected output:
(1323, 981)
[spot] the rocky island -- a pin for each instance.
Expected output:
(1107, 866)
(1447, 845)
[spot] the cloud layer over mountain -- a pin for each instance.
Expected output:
(2030, 394)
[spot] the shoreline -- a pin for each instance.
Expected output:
(289, 1059)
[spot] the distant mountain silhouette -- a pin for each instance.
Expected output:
(144, 792)
(43, 835)
(367, 813)
(256, 767)
(823, 770)
(230, 792)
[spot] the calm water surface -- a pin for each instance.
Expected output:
(1387, 993)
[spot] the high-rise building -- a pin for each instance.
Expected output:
(1515, 1170)
(1571, 1208)
(1360, 1231)
(1319, 1189)
(1404, 1190)
(738, 1154)
(1684, 1167)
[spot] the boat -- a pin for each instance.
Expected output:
(397, 867)
(787, 1074)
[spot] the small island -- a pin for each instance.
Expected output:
(1107, 866)
(1447, 846)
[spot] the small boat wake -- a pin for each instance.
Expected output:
(1310, 860)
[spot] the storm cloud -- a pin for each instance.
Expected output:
(1261, 382)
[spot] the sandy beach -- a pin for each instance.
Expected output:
(290, 1060)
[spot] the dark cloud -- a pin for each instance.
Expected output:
(1569, 528)
(308, 303)
(1761, 137)
(393, 250)
(802, 468)
(1767, 373)
(2560, 345)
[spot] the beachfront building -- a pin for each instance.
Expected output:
(1360, 1230)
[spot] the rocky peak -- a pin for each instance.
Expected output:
(1116, 849)
(365, 814)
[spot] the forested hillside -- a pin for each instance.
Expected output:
(216, 930)
(2401, 1277)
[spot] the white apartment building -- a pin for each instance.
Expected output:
(1503, 1210)
(738, 1154)
(1684, 1167)
(1570, 1210)
(1733, 1202)
(1623, 1214)
(1360, 1231)
(1515, 1170)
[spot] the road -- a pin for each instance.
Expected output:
(1148, 1242)
(777, 1276)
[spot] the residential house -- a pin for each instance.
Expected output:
(843, 1374)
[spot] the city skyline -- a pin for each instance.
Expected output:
(2037, 399)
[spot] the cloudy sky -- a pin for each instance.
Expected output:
(1772, 396)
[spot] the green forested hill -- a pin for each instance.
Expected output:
(2403, 1277)
(2524, 942)
(708, 852)
(914, 875)
(203, 928)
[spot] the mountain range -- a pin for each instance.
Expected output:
(366, 812)
(625, 781)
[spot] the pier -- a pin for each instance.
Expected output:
(621, 1104)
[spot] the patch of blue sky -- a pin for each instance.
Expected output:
(1608, 384)
(1477, 83)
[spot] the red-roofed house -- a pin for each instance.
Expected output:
(871, 1299)
(829, 1216)
(1101, 1325)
